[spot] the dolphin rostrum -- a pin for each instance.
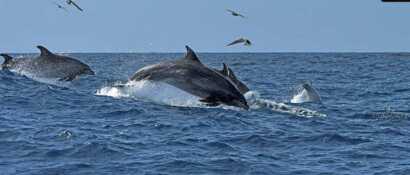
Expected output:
(190, 75)
(305, 93)
(47, 65)
(227, 72)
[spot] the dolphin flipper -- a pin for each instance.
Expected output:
(212, 104)
(210, 101)
(68, 78)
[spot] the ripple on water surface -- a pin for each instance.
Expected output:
(105, 125)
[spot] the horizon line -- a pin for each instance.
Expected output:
(162, 52)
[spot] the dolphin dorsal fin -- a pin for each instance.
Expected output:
(44, 51)
(190, 55)
(226, 71)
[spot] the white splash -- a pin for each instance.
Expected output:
(255, 102)
(156, 92)
(163, 93)
(305, 93)
(300, 97)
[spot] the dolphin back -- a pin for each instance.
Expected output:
(62, 67)
(51, 65)
(228, 73)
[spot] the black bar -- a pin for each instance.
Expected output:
(395, 0)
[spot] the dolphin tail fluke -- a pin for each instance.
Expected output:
(44, 51)
(7, 58)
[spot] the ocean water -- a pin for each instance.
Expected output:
(104, 124)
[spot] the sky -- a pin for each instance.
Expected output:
(167, 26)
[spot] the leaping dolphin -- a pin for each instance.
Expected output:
(190, 75)
(305, 93)
(47, 65)
(227, 72)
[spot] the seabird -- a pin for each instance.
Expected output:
(71, 2)
(233, 13)
(60, 6)
(241, 40)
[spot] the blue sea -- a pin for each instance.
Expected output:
(91, 126)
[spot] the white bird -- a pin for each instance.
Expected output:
(233, 13)
(241, 40)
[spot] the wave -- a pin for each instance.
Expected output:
(257, 102)
(166, 94)
(388, 114)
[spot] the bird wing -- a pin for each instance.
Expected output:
(235, 13)
(78, 7)
(231, 11)
(248, 42)
(240, 40)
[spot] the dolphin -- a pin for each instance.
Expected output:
(47, 65)
(190, 75)
(305, 93)
(228, 73)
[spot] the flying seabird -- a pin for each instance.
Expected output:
(233, 13)
(241, 40)
(71, 2)
(60, 6)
